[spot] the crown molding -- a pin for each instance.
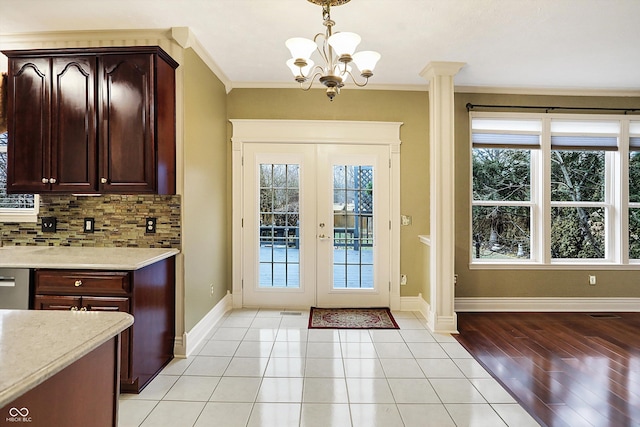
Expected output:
(186, 39)
(498, 90)
(491, 90)
(8, 41)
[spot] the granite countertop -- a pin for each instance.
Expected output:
(85, 258)
(37, 344)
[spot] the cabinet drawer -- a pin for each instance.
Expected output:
(68, 282)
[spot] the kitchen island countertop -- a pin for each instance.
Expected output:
(37, 344)
(81, 258)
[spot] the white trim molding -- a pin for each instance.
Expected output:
(189, 341)
(547, 304)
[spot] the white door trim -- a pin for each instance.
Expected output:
(314, 132)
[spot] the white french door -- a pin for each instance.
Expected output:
(353, 193)
(316, 225)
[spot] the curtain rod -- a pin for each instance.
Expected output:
(547, 109)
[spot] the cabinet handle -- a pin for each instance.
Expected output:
(52, 180)
(103, 180)
(74, 308)
(78, 283)
(45, 180)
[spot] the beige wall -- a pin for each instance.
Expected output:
(205, 247)
(525, 283)
(408, 107)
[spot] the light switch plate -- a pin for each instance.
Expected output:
(89, 225)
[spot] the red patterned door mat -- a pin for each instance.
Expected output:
(351, 318)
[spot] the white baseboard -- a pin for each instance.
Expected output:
(410, 303)
(185, 345)
(439, 324)
(547, 304)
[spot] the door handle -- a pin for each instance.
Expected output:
(323, 237)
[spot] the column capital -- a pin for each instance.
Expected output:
(441, 68)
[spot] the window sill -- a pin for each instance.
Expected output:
(18, 217)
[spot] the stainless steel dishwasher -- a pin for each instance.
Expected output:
(14, 288)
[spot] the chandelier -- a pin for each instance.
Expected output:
(337, 51)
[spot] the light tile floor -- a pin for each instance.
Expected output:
(261, 368)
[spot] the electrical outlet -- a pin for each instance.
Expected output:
(150, 225)
(403, 279)
(211, 289)
(49, 224)
(89, 225)
(592, 280)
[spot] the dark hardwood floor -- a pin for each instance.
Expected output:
(565, 369)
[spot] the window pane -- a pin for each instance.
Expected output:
(501, 232)
(634, 233)
(634, 176)
(501, 174)
(279, 219)
(353, 226)
(10, 201)
(577, 232)
(577, 176)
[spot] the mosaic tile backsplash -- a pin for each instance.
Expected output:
(119, 222)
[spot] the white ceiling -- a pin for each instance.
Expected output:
(558, 45)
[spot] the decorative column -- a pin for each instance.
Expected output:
(442, 316)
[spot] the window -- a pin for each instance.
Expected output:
(14, 207)
(502, 158)
(548, 189)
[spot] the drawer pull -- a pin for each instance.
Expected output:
(78, 283)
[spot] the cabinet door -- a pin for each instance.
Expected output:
(28, 116)
(73, 124)
(127, 124)
(114, 304)
(55, 302)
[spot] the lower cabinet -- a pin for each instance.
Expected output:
(85, 393)
(148, 294)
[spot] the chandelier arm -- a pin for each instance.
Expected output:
(322, 51)
(312, 79)
(353, 79)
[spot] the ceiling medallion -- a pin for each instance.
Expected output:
(337, 52)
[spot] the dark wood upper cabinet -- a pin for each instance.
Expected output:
(91, 121)
(28, 119)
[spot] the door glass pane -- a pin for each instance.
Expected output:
(279, 232)
(353, 227)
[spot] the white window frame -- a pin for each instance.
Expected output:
(20, 214)
(616, 200)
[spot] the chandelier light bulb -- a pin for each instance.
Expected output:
(300, 47)
(366, 61)
(344, 43)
